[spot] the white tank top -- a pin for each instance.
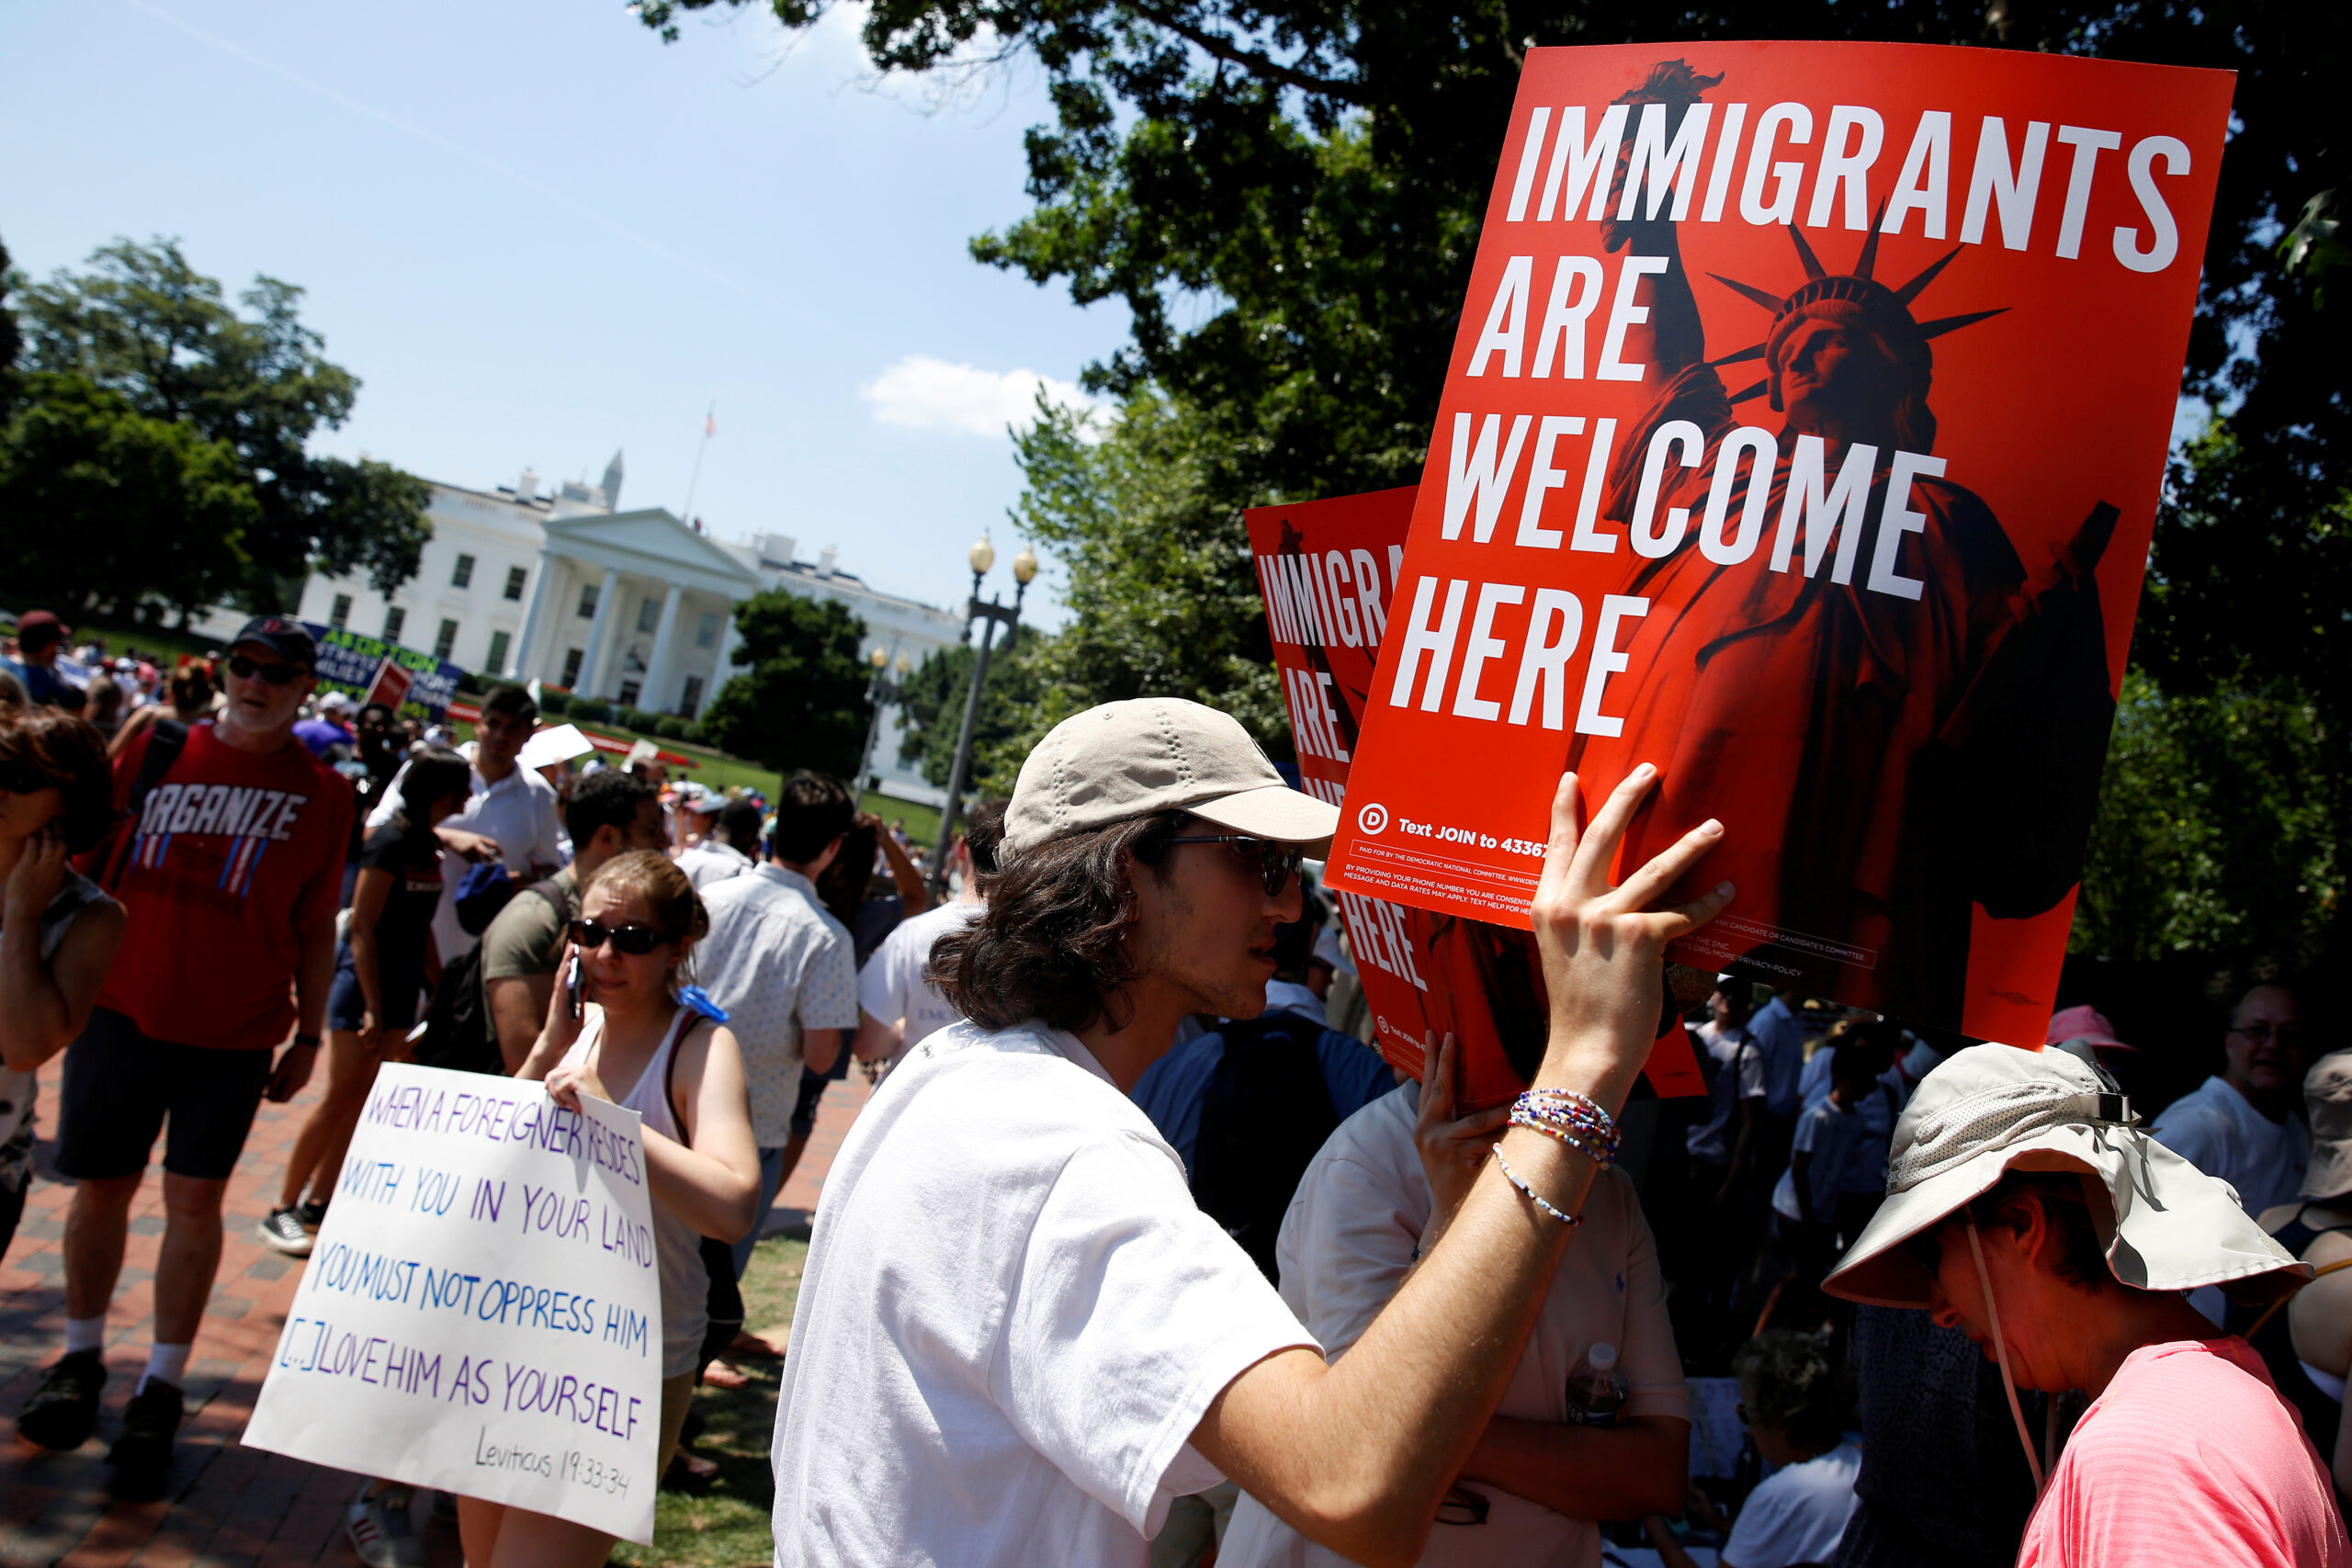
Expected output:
(677, 1249)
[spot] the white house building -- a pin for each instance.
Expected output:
(634, 607)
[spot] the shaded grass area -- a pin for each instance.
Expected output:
(725, 1525)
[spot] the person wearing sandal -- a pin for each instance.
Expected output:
(667, 1059)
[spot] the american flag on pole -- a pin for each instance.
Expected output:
(710, 424)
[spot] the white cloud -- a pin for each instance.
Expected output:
(923, 393)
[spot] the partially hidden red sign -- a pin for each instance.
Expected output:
(1325, 570)
(1802, 436)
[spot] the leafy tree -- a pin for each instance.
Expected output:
(2214, 832)
(800, 700)
(12, 341)
(931, 705)
(129, 506)
(145, 325)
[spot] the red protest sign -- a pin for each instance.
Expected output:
(389, 687)
(1326, 571)
(1801, 437)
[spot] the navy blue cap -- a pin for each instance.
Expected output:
(284, 637)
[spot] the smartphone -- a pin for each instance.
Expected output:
(571, 987)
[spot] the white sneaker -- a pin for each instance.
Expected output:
(378, 1524)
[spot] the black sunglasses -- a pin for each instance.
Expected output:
(246, 669)
(1278, 862)
(634, 940)
(20, 777)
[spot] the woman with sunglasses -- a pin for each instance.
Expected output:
(58, 932)
(664, 1058)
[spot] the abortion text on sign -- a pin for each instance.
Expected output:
(482, 1312)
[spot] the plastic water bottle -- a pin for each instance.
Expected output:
(1597, 1390)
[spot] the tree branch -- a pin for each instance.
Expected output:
(1257, 65)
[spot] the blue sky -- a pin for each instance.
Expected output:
(538, 234)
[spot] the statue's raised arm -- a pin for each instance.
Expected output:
(1672, 339)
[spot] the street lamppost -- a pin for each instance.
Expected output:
(1024, 569)
(880, 692)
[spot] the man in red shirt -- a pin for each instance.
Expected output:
(231, 874)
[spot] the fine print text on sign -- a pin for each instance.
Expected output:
(1801, 437)
(482, 1312)
(1325, 570)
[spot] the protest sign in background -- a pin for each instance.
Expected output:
(367, 670)
(482, 1312)
(1801, 437)
(1325, 570)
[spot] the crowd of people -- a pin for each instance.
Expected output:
(1140, 1253)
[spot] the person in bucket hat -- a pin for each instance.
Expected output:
(2026, 1207)
(1018, 1338)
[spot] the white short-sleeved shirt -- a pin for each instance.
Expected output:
(712, 860)
(891, 986)
(1347, 1244)
(780, 966)
(520, 811)
(2216, 1129)
(1011, 1318)
(1796, 1513)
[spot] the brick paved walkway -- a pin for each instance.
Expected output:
(229, 1507)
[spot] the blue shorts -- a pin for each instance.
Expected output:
(346, 1004)
(121, 1087)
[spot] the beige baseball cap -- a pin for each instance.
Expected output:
(1126, 760)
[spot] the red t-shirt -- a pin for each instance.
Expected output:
(2188, 1457)
(233, 855)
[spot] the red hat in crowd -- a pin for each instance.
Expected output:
(36, 629)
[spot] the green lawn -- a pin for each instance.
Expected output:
(725, 1525)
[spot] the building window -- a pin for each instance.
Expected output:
(447, 641)
(394, 619)
(516, 575)
(629, 690)
(588, 600)
(706, 629)
(570, 670)
(340, 616)
(692, 700)
(498, 645)
(464, 576)
(649, 614)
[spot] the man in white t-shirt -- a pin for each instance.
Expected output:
(1018, 1338)
(898, 1005)
(2246, 1125)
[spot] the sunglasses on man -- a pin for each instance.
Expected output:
(633, 940)
(1277, 861)
(246, 669)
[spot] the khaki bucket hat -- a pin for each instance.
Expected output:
(1126, 760)
(1993, 1108)
(2327, 1096)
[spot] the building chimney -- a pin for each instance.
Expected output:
(527, 488)
(825, 558)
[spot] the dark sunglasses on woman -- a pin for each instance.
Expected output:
(1277, 861)
(634, 940)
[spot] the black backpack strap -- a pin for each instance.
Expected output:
(166, 739)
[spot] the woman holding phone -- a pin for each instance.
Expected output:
(618, 1030)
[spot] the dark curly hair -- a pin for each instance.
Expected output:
(70, 753)
(1050, 944)
(1787, 1380)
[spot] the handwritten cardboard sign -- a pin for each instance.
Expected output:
(482, 1312)
(1802, 437)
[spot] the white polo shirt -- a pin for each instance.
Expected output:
(2216, 1129)
(1011, 1317)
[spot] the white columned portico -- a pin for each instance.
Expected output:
(598, 628)
(654, 696)
(524, 661)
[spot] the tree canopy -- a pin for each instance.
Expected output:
(800, 700)
(142, 335)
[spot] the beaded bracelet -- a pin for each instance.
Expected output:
(1534, 1196)
(1600, 1155)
